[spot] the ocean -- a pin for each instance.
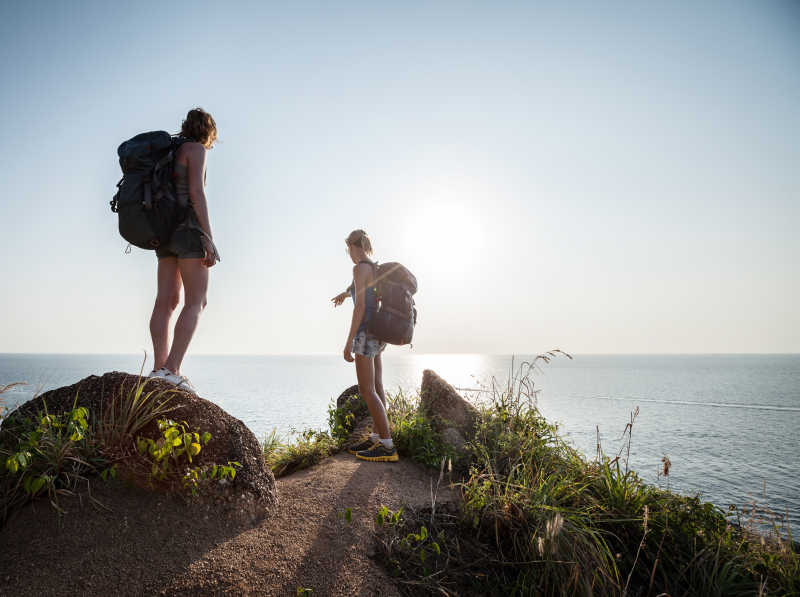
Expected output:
(727, 423)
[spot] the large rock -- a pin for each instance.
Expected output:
(452, 416)
(230, 439)
(362, 421)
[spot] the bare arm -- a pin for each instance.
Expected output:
(339, 298)
(361, 274)
(196, 158)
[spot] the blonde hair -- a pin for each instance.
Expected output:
(359, 238)
(199, 126)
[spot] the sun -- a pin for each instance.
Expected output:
(448, 230)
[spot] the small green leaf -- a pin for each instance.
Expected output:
(348, 514)
(436, 548)
(206, 437)
(37, 484)
(423, 533)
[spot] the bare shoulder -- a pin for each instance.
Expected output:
(361, 270)
(192, 150)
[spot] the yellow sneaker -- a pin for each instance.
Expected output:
(379, 453)
(362, 446)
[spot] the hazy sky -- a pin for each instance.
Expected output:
(598, 177)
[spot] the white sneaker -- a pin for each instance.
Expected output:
(162, 373)
(180, 381)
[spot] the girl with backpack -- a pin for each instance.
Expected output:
(367, 348)
(184, 261)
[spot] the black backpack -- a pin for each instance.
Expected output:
(396, 316)
(146, 203)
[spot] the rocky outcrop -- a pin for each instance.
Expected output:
(231, 440)
(362, 421)
(452, 416)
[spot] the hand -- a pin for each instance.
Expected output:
(339, 299)
(211, 254)
(348, 355)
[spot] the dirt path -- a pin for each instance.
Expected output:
(153, 545)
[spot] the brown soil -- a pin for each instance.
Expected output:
(152, 544)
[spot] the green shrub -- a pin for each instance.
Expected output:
(341, 421)
(173, 453)
(309, 448)
(49, 454)
(412, 432)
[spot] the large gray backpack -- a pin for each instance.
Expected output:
(146, 202)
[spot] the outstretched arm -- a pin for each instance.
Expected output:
(339, 298)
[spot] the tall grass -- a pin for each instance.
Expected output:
(538, 518)
(130, 410)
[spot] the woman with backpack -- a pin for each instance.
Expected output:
(184, 261)
(367, 348)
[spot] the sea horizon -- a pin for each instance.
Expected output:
(724, 419)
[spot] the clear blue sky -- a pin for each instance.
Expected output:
(601, 177)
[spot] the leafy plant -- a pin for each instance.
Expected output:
(174, 451)
(49, 455)
(342, 420)
(168, 450)
(412, 432)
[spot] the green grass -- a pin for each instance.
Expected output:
(299, 451)
(412, 432)
(538, 518)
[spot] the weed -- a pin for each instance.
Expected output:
(173, 452)
(48, 455)
(130, 410)
(412, 432)
(309, 448)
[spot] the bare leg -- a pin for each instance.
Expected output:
(169, 293)
(195, 285)
(365, 371)
(379, 379)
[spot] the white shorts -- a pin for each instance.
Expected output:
(367, 345)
